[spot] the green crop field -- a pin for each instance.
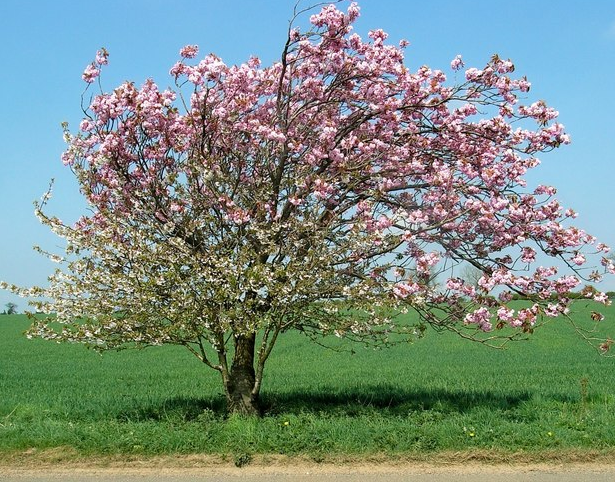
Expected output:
(553, 393)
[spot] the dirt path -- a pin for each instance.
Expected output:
(323, 473)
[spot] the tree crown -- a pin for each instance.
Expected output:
(323, 192)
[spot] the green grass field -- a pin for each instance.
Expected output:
(440, 394)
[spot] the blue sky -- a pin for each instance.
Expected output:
(566, 48)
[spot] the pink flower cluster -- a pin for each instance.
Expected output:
(92, 71)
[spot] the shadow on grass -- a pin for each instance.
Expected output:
(388, 399)
(384, 399)
(180, 409)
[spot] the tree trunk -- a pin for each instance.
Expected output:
(240, 385)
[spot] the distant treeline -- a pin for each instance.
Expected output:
(573, 295)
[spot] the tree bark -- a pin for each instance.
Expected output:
(240, 385)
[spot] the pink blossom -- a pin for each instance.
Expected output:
(473, 74)
(516, 323)
(353, 11)
(602, 298)
(189, 51)
(543, 273)
(505, 314)
(570, 213)
(505, 296)
(178, 69)
(486, 282)
(90, 73)
(457, 63)
(403, 290)
(378, 35)
(524, 283)
(566, 284)
(552, 310)
(505, 66)
(425, 262)
(480, 317)
(601, 247)
(528, 315)
(102, 57)
(294, 34)
(578, 259)
(549, 190)
(528, 255)
(383, 223)
(86, 125)
(524, 85)
(239, 216)
(454, 283)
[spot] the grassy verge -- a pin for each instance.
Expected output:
(552, 395)
(66, 458)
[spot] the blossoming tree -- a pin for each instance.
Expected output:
(322, 193)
